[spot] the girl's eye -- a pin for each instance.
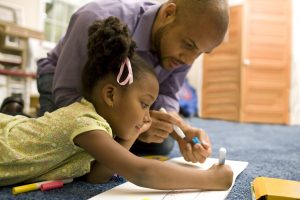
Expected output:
(144, 105)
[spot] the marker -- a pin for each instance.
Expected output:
(180, 132)
(222, 156)
(35, 186)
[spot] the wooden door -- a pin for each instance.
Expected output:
(266, 61)
(222, 74)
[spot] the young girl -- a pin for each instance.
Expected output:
(92, 137)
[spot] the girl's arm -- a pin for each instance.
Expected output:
(99, 172)
(150, 173)
(125, 143)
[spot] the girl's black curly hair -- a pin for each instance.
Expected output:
(109, 43)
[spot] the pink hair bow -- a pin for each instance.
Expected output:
(129, 78)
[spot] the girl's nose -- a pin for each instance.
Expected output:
(147, 117)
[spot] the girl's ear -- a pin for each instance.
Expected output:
(109, 93)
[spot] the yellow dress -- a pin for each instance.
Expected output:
(37, 149)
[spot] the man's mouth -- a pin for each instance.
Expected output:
(175, 63)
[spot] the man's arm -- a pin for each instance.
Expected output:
(67, 78)
(169, 87)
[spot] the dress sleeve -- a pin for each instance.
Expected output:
(89, 123)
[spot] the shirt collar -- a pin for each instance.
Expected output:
(142, 33)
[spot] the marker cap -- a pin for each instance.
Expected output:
(222, 155)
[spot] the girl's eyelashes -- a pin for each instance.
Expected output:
(144, 105)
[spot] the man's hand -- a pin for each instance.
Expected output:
(194, 152)
(161, 127)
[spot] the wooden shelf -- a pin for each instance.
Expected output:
(19, 31)
(14, 56)
(19, 73)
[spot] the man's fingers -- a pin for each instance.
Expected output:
(184, 153)
(189, 153)
(203, 151)
(162, 126)
(161, 133)
(167, 117)
(199, 153)
(204, 139)
(147, 137)
(145, 127)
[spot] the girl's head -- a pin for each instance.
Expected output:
(123, 104)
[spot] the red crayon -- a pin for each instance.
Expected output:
(52, 185)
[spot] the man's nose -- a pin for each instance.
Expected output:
(189, 57)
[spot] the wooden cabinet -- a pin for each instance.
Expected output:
(14, 78)
(247, 78)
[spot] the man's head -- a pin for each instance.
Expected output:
(184, 29)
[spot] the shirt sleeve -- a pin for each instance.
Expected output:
(169, 90)
(67, 84)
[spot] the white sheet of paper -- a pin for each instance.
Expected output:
(130, 191)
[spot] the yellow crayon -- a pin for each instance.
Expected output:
(28, 188)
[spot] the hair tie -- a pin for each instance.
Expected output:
(129, 78)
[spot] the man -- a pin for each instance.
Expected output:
(170, 36)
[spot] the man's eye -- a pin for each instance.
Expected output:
(188, 45)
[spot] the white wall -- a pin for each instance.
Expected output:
(195, 79)
(295, 68)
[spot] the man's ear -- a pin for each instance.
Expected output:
(169, 13)
(109, 93)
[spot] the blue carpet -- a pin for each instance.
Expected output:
(271, 150)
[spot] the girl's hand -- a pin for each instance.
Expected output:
(221, 176)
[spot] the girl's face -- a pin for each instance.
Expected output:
(131, 109)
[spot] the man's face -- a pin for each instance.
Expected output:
(181, 43)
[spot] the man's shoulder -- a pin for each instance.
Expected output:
(115, 7)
